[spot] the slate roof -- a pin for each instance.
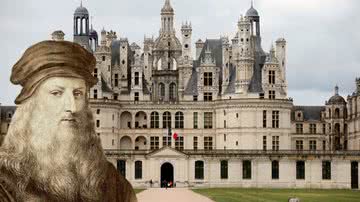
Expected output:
(115, 52)
(104, 86)
(310, 113)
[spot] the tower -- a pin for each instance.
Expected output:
(281, 56)
(186, 31)
(254, 19)
(93, 39)
(167, 19)
(81, 27)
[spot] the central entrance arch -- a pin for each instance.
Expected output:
(167, 173)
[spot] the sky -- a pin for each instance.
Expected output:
(323, 36)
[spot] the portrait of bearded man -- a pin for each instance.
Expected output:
(51, 151)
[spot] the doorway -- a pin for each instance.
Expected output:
(354, 175)
(167, 173)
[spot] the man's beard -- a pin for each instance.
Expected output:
(65, 159)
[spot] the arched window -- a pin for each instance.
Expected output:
(199, 170)
(154, 123)
(329, 113)
(162, 91)
(166, 120)
(78, 25)
(224, 169)
(138, 169)
(337, 113)
(179, 120)
(172, 92)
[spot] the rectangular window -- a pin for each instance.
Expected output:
(271, 94)
(116, 80)
(207, 78)
(208, 143)
(299, 128)
(271, 77)
(275, 170)
(264, 143)
(324, 145)
(95, 94)
(326, 170)
(136, 96)
(275, 119)
(299, 145)
(208, 119)
(179, 143)
(195, 120)
(121, 167)
(264, 118)
(246, 169)
(103, 58)
(97, 123)
(195, 98)
(300, 170)
(116, 96)
(224, 137)
(98, 111)
(324, 128)
(312, 145)
(224, 123)
(312, 128)
(167, 140)
(275, 143)
(195, 143)
(154, 142)
(224, 169)
(207, 96)
(95, 72)
(261, 95)
(136, 78)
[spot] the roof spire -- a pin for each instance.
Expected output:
(336, 90)
(91, 21)
(252, 3)
(80, 3)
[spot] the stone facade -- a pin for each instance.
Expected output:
(220, 119)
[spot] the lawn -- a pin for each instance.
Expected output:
(277, 195)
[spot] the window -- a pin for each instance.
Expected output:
(312, 128)
(261, 95)
(195, 98)
(275, 119)
(299, 145)
(154, 120)
(224, 123)
(264, 119)
(98, 111)
(97, 123)
(275, 143)
(312, 145)
(116, 96)
(172, 92)
(136, 96)
(116, 80)
(207, 78)
(271, 94)
(179, 143)
(199, 170)
(300, 170)
(179, 120)
(95, 94)
(324, 145)
(121, 167)
(324, 128)
(207, 143)
(195, 120)
(299, 128)
(166, 120)
(223, 169)
(103, 58)
(326, 170)
(162, 91)
(137, 78)
(275, 170)
(264, 143)
(207, 96)
(138, 169)
(271, 77)
(208, 116)
(246, 169)
(154, 142)
(195, 143)
(95, 72)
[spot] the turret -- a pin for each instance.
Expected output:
(167, 19)
(281, 56)
(244, 37)
(199, 46)
(81, 27)
(58, 35)
(186, 31)
(254, 19)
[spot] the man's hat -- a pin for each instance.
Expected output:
(51, 59)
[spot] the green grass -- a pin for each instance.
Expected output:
(138, 190)
(278, 195)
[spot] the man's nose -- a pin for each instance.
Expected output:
(70, 105)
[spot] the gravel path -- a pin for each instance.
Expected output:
(170, 195)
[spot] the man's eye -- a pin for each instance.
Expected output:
(78, 93)
(56, 93)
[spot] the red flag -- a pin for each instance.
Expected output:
(175, 136)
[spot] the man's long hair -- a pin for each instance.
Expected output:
(29, 148)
